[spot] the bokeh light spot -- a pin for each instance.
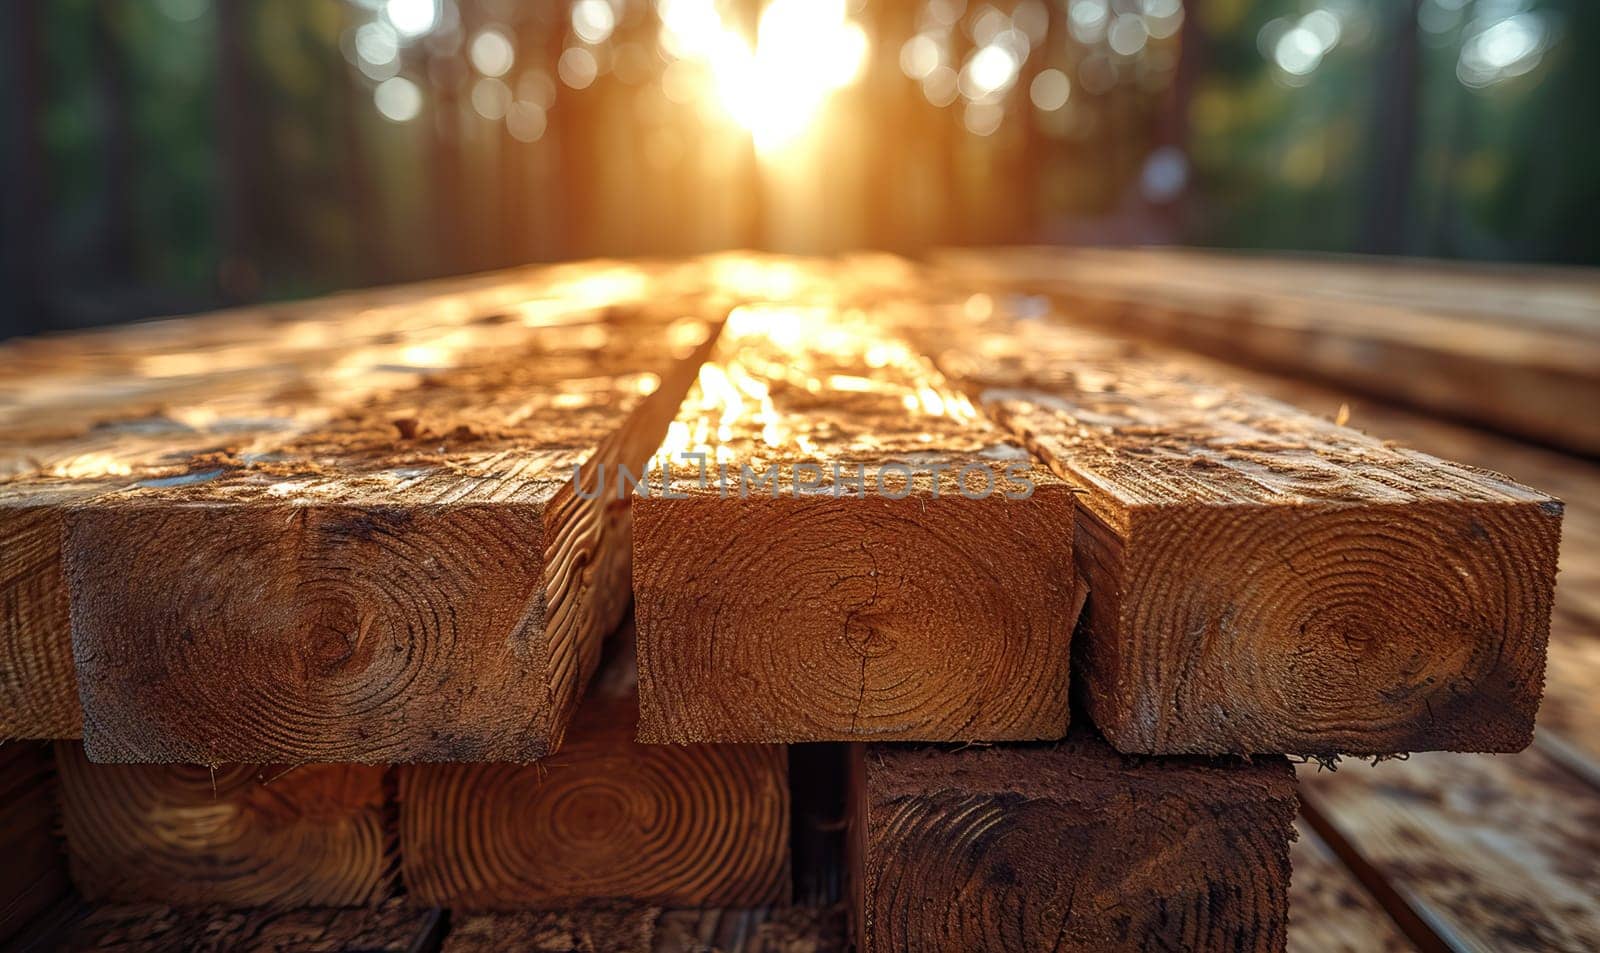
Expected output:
(492, 53)
(1050, 90)
(398, 99)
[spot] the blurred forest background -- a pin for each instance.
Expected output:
(163, 156)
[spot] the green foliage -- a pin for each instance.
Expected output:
(140, 179)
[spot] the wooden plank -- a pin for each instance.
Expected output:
(1568, 736)
(1571, 708)
(34, 875)
(86, 413)
(1069, 847)
(1418, 341)
(1329, 910)
(638, 929)
(418, 580)
(1542, 297)
(237, 835)
(856, 554)
(799, 929)
(1569, 718)
(1494, 853)
(1263, 579)
(595, 928)
(63, 386)
(1555, 298)
(606, 818)
(390, 927)
(38, 690)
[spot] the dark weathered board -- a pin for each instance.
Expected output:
(88, 413)
(390, 927)
(33, 868)
(604, 818)
(636, 929)
(593, 928)
(797, 929)
(857, 553)
(1512, 349)
(268, 835)
(1329, 910)
(419, 579)
(1493, 853)
(1262, 579)
(1069, 846)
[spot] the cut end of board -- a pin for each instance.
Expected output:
(1317, 629)
(841, 618)
(241, 835)
(1068, 846)
(38, 692)
(331, 619)
(605, 817)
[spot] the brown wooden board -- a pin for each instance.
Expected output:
(1069, 846)
(61, 386)
(1492, 853)
(1477, 822)
(638, 929)
(33, 875)
(1262, 579)
(38, 690)
(595, 928)
(1511, 349)
(238, 835)
(797, 929)
(855, 553)
(390, 927)
(420, 579)
(88, 413)
(1569, 719)
(605, 818)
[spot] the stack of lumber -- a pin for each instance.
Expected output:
(957, 624)
(1512, 348)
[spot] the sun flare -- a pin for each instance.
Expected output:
(804, 52)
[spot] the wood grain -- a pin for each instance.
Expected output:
(1512, 349)
(1494, 853)
(606, 818)
(596, 928)
(639, 929)
(38, 690)
(1263, 579)
(798, 929)
(931, 599)
(1069, 847)
(390, 927)
(417, 580)
(238, 835)
(34, 875)
(89, 413)
(1570, 715)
